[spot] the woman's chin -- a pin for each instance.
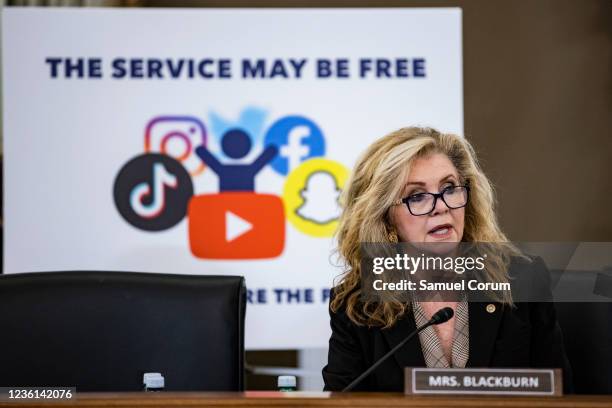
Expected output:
(436, 245)
(441, 245)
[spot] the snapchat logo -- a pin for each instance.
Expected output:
(311, 196)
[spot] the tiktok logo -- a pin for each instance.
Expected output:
(161, 178)
(152, 192)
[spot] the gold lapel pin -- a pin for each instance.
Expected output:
(490, 308)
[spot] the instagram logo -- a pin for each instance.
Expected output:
(177, 137)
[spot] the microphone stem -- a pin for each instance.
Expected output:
(385, 357)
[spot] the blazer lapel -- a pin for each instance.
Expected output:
(483, 328)
(484, 320)
(410, 355)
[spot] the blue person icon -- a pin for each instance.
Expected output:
(236, 144)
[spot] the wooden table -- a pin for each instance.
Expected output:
(309, 399)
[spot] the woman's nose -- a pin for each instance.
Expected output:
(440, 207)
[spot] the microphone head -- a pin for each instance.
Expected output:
(442, 315)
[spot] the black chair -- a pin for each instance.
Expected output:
(101, 331)
(587, 333)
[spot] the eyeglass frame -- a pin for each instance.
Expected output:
(436, 196)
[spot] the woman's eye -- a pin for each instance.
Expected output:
(416, 198)
(451, 191)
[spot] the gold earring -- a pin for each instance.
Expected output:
(393, 237)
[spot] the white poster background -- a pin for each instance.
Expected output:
(65, 139)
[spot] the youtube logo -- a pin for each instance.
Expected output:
(236, 225)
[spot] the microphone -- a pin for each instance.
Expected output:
(441, 316)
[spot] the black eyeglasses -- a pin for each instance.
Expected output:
(424, 203)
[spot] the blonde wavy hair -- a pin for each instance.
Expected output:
(376, 182)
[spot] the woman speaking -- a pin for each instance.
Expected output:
(419, 186)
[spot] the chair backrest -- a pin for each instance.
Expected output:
(101, 331)
(587, 334)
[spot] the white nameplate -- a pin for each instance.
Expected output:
(489, 381)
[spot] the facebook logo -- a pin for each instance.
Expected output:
(297, 139)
